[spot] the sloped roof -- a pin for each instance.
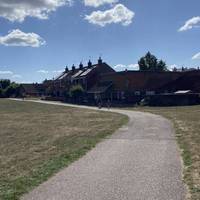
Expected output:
(140, 80)
(60, 75)
(101, 87)
(86, 72)
(182, 92)
(189, 81)
(63, 75)
(79, 73)
(32, 88)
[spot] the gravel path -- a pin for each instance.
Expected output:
(140, 161)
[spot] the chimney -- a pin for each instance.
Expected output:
(73, 67)
(100, 61)
(81, 66)
(89, 64)
(66, 69)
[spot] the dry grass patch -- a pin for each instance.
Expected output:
(187, 124)
(37, 140)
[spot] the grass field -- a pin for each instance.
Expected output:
(187, 124)
(37, 140)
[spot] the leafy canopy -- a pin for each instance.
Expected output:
(76, 91)
(8, 89)
(4, 83)
(150, 63)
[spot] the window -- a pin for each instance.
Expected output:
(137, 92)
(122, 95)
(150, 92)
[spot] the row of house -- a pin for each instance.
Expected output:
(102, 82)
(86, 76)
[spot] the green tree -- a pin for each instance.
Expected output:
(162, 66)
(4, 83)
(142, 64)
(12, 90)
(76, 92)
(8, 89)
(150, 63)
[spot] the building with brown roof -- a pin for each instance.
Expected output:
(31, 89)
(190, 80)
(101, 82)
(86, 76)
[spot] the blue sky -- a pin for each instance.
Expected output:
(37, 40)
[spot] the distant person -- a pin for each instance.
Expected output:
(108, 104)
(23, 96)
(99, 105)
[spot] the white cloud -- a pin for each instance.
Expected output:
(10, 74)
(172, 67)
(97, 3)
(6, 72)
(118, 14)
(121, 67)
(16, 76)
(18, 38)
(191, 23)
(18, 10)
(133, 66)
(42, 71)
(196, 56)
(57, 71)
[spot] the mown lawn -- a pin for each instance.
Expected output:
(37, 140)
(187, 124)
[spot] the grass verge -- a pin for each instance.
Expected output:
(38, 140)
(187, 125)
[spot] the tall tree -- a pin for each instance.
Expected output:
(142, 64)
(150, 63)
(162, 66)
(4, 83)
(12, 90)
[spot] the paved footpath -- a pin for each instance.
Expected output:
(140, 161)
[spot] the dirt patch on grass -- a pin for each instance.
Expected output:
(37, 140)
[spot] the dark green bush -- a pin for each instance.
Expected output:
(8, 89)
(76, 92)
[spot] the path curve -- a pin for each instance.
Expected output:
(140, 161)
